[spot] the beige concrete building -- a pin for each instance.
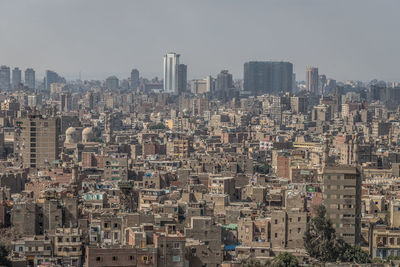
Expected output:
(36, 141)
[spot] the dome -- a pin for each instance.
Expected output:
(87, 135)
(70, 131)
(88, 130)
(72, 135)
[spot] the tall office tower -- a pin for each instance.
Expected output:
(171, 67)
(51, 77)
(112, 83)
(30, 81)
(182, 78)
(16, 77)
(134, 79)
(342, 200)
(5, 78)
(268, 77)
(36, 140)
(224, 81)
(312, 80)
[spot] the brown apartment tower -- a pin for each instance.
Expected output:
(36, 141)
(312, 80)
(342, 199)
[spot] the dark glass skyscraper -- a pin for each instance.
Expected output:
(5, 78)
(262, 77)
(16, 77)
(51, 77)
(182, 78)
(134, 79)
(224, 81)
(30, 78)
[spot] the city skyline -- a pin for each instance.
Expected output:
(345, 50)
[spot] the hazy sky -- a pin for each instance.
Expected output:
(346, 39)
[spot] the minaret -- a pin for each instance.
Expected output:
(325, 154)
(355, 149)
(108, 129)
(350, 152)
(74, 174)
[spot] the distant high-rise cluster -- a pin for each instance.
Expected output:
(262, 77)
(10, 80)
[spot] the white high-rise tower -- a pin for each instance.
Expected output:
(171, 64)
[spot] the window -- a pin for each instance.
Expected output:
(177, 245)
(131, 258)
(98, 259)
(276, 235)
(299, 219)
(114, 258)
(276, 221)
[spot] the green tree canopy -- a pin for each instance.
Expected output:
(321, 243)
(352, 253)
(319, 238)
(4, 261)
(285, 260)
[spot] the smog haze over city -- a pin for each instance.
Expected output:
(355, 39)
(182, 133)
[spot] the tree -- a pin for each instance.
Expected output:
(158, 126)
(353, 253)
(321, 243)
(263, 169)
(320, 236)
(4, 261)
(251, 262)
(285, 260)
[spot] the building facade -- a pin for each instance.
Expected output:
(268, 77)
(36, 141)
(342, 199)
(30, 78)
(312, 80)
